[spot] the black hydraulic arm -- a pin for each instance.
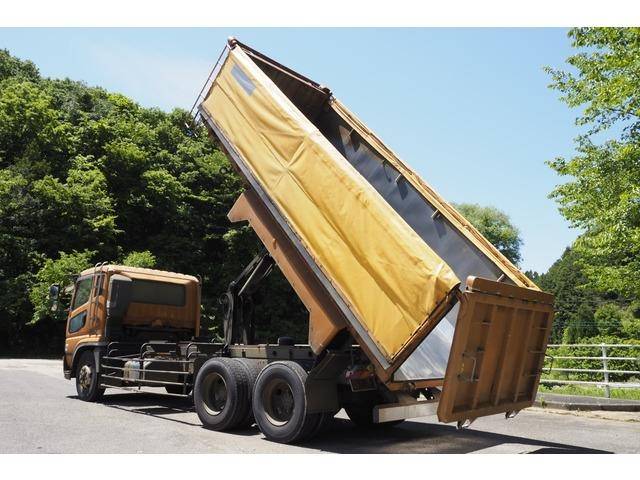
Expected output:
(238, 303)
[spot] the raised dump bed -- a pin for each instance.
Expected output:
(390, 285)
(370, 248)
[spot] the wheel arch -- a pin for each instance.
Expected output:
(97, 348)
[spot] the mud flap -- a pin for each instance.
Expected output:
(497, 352)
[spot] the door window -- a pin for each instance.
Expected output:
(77, 322)
(83, 290)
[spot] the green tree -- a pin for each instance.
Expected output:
(631, 322)
(14, 67)
(144, 259)
(91, 172)
(608, 318)
(602, 192)
(496, 226)
(60, 271)
(580, 324)
(575, 300)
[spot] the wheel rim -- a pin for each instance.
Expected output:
(85, 376)
(215, 393)
(277, 399)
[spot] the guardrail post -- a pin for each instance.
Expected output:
(605, 368)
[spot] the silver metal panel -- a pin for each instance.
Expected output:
(395, 411)
(429, 360)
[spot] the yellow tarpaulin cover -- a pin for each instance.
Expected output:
(385, 272)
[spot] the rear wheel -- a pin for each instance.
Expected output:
(88, 379)
(252, 369)
(221, 394)
(324, 420)
(280, 403)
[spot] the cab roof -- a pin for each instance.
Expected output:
(147, 271)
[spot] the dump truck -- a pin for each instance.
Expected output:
(412, 312)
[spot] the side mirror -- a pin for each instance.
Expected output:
(54, 295)
(54, 292)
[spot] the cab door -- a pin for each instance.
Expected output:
(78, 324)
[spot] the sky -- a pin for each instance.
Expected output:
(469, 109)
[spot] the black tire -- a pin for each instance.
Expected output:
(280, 403)
(362, 416)
(317, 424)
(325, 419)
(221, 394)
(252, 369)
(87, 378)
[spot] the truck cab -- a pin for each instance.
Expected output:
(129, 306)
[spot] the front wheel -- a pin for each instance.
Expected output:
(88, 379)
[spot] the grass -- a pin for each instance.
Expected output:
(591, 391)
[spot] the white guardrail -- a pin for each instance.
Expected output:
(603, 358)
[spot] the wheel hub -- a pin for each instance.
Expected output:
(278, 402)
(215, 397)
(84, 378)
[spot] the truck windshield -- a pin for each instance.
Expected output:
(159, 293)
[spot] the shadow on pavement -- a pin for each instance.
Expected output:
(418, 437)
(341, 436)
(152, 404)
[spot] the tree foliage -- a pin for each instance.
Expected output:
(580, 324)
(59, 271)
(144, 259)
(608, 319)
(88, 175)
(631, 321)
(575, 301)
(496, 226)
(602, 192)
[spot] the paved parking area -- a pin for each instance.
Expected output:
(39, 413)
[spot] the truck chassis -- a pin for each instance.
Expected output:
(258, 383)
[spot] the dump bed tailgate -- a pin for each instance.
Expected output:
(497, 352)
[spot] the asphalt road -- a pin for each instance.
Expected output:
(40, 413)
